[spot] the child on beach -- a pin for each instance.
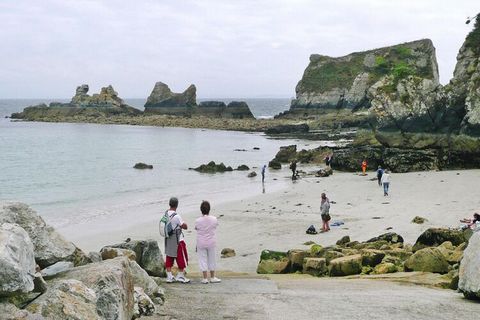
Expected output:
(175, 247)
(206, 226)
(364, 166)
(325, 212)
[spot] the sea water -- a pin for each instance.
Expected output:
(71, 173)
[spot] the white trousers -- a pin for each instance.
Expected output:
(206, 259)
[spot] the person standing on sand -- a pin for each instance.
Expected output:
(379, 175)
(325, 212)
(263, 172)
(385, 182)
(175, 247)
(364, 166)
(206, 242)
(293, 167)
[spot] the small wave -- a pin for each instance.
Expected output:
(264, 117)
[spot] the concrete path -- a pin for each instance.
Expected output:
(294, 298)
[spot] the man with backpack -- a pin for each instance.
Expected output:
(175, 247)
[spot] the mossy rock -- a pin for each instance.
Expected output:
(286, 154)
(349, 252)
(372, 257)
(384, 268)
(296, 258)
(344, 240)
(212, 167)
(272, 255)
(427, 260)
(402, 254)
(434, 237)
(141, 165)
(315, 266)
(373, 245)
(271, 266)
(316, 250)
(391, 237)
(243, 167)
(345, 266)
(332, 254)
(366, 270)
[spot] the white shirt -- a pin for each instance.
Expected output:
(177, 221)
(385, 178)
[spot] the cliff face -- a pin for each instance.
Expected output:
(344, 82)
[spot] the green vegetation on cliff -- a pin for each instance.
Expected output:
(473, 38)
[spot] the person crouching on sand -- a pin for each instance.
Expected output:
(175, 247)
(206, 242)
(325, 212)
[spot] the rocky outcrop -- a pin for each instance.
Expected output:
(17, 263)
(163, 101)
(469, 280)
(105, 103)
(212, 167)
(218, 109)
(344, 82)
(434, 237)
(49, 246)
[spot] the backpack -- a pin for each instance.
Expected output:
(165, 226)
(311, 230)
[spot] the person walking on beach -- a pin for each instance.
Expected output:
(328, 160)
(379, 175)
(325, 212)
(206, 226)
(263, 172)
(175, 247)
(293, 167)
(385, 182)
(364, 166)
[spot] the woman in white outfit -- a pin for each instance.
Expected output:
(206, 226)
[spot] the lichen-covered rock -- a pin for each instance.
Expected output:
(112, 282)
(163, 101)
(143, 304)
(110, 253)
(433, 237)
(391, 237)
(345, 266)
(148, 255)
(17, 264)
(67, 299)
(315, 266)
(271, 266)
(427, 260)
(9, 311)
(286, 154)
(49, 246)
(469, 280)
(384, 268)
(317, 250)
(344, 240)
(371, 257)
(332, 254)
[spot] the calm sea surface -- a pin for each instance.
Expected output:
(77, 172)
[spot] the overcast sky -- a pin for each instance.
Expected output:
(226, 48)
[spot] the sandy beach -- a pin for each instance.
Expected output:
(278, 220)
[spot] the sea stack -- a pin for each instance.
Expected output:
(163, 101)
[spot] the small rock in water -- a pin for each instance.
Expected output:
(298, 204)
(141, 165)
(389, 228)
(252, 174)
(309, 243)
(377, 217)
(256, 148)
(333, 202)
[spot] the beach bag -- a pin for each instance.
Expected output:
(165, 226)
(311, 230)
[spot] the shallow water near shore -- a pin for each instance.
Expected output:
(77, 172)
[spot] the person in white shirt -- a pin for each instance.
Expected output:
(385, 182)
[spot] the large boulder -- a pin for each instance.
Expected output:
(346, 266)
(67, 299)
(296, 257)
(49, 246)
(433, 237)
(17, 263)
(371, 257)
(212, 167)
(427, 260)
(112, 281)
(315, 266)
(391, 237)
(469, 279)
(148, 255)
(9, 311)
(273, 262)
(286, 154)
